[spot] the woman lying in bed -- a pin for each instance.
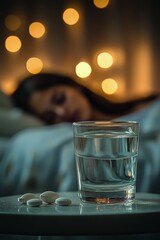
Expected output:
(43, 158)
(58, 98)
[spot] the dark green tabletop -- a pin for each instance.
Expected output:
(79, 218)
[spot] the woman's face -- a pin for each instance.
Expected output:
(60, 104)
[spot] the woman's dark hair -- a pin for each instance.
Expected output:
(44, 81)
(38, 82)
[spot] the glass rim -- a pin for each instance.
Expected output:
(105, 123)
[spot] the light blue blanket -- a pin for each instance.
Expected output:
(43, 158)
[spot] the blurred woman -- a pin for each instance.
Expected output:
(47, 151)
(57, 98)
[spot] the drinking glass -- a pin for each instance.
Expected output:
(106, 159)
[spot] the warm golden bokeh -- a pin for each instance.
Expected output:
(83, 69)
(34, 65)
(105, 34)
(101, 3)
(12, 22)
(70, 16)
(36, 29)
(104, 60)
(13, 44)
(109, 86)
(8, 86)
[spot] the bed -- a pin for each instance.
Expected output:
(35, 157)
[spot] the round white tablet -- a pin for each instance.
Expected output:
(63, 201)
(35, 202)
(25, 197)
(49, 196)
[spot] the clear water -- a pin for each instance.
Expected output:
(106, 166)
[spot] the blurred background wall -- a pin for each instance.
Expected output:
(110, 46)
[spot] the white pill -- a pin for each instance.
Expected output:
(35, 202)
(63, 201)
(49, 197)
(25, 197)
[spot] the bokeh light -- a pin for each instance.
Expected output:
(83, 69)
(104, 60)
(109, 86)
(34, 65)
(36, 29)
(70, 16)
(13, 43)
(8, 86)
(101, 3)
(12, 22)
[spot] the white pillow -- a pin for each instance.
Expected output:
(13, 120)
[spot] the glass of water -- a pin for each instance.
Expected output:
(106, 158)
